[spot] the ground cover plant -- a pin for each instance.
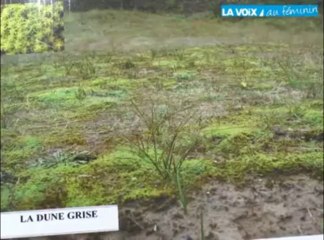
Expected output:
(124, 123)
(32, 28)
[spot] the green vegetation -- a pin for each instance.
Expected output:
(257, 112)
(166, 141)
(30, 28)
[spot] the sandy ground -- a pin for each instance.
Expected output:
(277, 207)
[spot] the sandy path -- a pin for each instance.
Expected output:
(290, 206)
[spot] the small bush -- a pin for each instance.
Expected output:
(167, 140)
(26, 28)
(84, 68)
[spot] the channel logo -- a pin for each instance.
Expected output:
(242, 10)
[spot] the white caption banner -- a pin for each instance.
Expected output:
(63, 221)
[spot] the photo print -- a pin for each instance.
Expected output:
(33, 26)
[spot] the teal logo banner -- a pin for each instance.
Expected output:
(245, 10)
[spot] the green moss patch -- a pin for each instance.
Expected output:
(226, 130)
(184, 75)
(20, 151)
(260, 165)
(67, 138)
(76, 97)
(56, 97)
(270, 127)
(116, 177)
(314, 118)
